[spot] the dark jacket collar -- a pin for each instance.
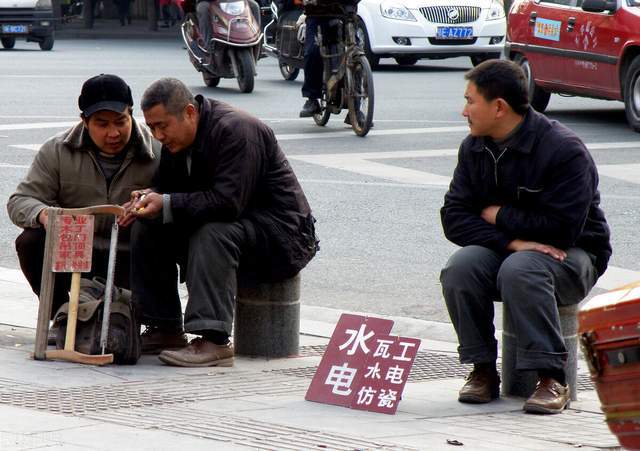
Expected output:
(525, 138)
(205, 111)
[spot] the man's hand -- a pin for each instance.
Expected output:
(43, 217)
(490, 213)
(129, 216)
(148, 205)
(521, 245)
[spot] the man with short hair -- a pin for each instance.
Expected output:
(97, 161)
(524, 206)
(224, 197)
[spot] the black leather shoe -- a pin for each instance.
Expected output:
(310, 107)
(550, 396)
(482, 386)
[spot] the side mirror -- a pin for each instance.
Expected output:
(599, 6)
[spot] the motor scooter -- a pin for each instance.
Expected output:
(284, 39)
(234, 46)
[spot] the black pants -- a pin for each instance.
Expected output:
(530, 285)
(30, 249)
(208, 257)
(313, 63)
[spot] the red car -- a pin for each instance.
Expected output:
(588, 48)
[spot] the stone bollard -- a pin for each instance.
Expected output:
(267, 318)
(523, 383)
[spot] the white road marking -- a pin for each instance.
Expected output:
(14, 166)
(26, 146)
(615, 277)
(37, 125)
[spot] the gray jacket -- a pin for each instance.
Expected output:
(65, 173)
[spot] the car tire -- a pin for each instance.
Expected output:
(46, 43)
(538, 97)
(482, 57)
(363, 35)
(8, 43)
(406, 60)
(632, 94)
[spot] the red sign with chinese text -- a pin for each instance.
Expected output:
(364, 367)
(73, 243)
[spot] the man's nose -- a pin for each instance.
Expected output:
(157, 134)
(113, 131)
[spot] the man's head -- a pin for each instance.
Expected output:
(171, 112)
(106, 104)
(496, 98)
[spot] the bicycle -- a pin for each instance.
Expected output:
(347, 77)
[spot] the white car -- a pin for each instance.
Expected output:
(409, 30)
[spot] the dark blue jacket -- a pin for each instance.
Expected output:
(546, 183)
(240, 174)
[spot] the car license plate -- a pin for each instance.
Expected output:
(454, 33)
(17, 29)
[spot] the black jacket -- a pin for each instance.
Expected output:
(239, 173)
(546, 183)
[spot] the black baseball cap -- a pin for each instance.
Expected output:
(104, 92)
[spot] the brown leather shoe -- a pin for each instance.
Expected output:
(550, 396)
(482, 386)
(155, 340)
(200, 352)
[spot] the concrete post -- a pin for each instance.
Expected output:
(267, 318)
(523, 383)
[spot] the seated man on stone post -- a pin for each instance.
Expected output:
(224, 196)
(97, 161)
(524, 206)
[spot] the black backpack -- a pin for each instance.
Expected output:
(124, 331)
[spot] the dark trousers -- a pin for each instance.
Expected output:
(209, 257)
(30, 249)
(531, 285)
(313, 64)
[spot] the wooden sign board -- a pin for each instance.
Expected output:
(73, 243)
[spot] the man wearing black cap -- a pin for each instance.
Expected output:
(97, 161)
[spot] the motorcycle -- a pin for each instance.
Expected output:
(234, 47)
(284, 40)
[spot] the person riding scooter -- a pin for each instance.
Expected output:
(204, 17)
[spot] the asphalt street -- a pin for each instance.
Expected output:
(376, 198)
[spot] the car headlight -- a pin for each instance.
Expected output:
(43, 4)
(232, 8)
(496, 10)
(392, 10)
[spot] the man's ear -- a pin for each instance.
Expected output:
(84, 120)
(502, 107)
(190, 110)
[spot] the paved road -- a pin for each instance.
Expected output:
(376, 199)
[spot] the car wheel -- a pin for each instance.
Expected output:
(538, 97)
(632, 94)
(46, 43)
(406, 60)
(363, 36)
(8, 43)
(482, 57)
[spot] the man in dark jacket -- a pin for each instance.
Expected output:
(524, 206)
(224, 194)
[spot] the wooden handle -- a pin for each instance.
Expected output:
(95, 210)
(72, 315)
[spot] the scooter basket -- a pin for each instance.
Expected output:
(287, 39)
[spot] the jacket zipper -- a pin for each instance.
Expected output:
(495, 162)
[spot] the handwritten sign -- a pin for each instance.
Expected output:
(364, 367)
(73, 243)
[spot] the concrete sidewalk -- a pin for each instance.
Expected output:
(259, 404)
